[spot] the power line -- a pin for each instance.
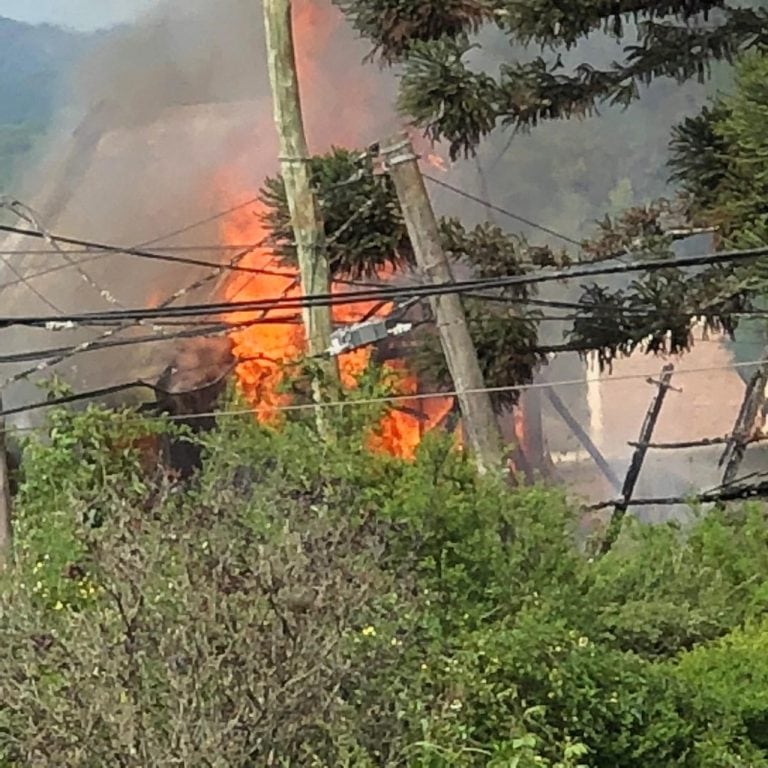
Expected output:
(394, 398)
(201, 222)
(104, 339)
(116, 389)
(105, 248)
(23, 279)
(487, 204)
(99, 252)
(379, 293)
(137, 252)
(634, 312)
(26, 282)
(85, 346)
(29, 215)
(168, 248)
(207, 331)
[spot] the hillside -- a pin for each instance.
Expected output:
(35, 62)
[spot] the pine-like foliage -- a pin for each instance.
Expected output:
(720, 161)
(365, 234)
(455, 103)
(720, 157)
(365, 228)
(655, 313)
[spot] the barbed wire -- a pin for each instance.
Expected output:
(29, 215)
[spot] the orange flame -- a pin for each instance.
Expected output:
(265, 351)
(437, 162)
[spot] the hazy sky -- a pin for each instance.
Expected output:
(80, 14)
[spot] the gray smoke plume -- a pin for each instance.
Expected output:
(168, 121)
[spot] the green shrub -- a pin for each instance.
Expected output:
(731, 676)
(223, 620)
(307, 603)
(666, 590)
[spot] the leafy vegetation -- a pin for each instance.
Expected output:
(459, 104)
(17, 143)
(720, 159)
(304, 603)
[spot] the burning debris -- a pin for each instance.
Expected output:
(189, 391)
(196, 379)
(265, 351)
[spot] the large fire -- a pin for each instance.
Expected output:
(266, 350)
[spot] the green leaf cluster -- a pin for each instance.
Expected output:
(720, 158)
(363, 223)
(366, 234)
(456, 103)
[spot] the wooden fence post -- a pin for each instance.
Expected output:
(754, 397)
(638, 457)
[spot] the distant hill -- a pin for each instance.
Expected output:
(35, 63)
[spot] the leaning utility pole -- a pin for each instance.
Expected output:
(638, 457)
(744, 428)
(6, 524)
(294, 158)
(480, 422)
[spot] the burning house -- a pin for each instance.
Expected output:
(175, 125)
(178, 143)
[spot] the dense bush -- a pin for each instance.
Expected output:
(302, 603)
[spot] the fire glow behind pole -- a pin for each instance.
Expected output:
(294, 160)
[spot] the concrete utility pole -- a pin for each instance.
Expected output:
(305, 212)
(480, 422)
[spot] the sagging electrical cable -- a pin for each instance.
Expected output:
(393, 292)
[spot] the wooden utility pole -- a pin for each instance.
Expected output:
(480, 424)
(302, 202)
(6, 524)
(535, 443)
(754, 398)
(638, 457)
